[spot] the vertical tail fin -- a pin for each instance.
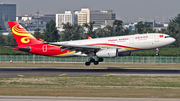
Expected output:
(22, 36)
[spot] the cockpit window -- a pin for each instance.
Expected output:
(167, 37)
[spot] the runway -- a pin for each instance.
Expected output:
(45, 98)
(9, 72)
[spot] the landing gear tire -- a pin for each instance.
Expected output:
(87, 63)
(157, 54)
(92, 60)
(96, 62)
(100, 59)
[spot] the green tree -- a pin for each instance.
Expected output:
(117, 24)
(139, 28)
(115, 30)
(174, 31)
(110, 30)
(11, 40)
(105, 32)
(143, 27)
(66, 34)
(164, 30)
(2, 40)
(118, 28)
(127, 31)
(102, 32)
(176, 19)
(77, 32)
(90, 31)
(51, 32)
(37, 33)
(71, 32)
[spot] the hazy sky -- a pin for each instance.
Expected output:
(125, 9)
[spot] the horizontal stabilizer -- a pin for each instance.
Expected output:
(26, 49)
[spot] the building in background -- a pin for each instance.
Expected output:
(156, 26)
(84, 16)
(7, 13)
(131, 26)
(107, 23)
(98, 16)
(66, 17)
(30, 21)
(75, 17)
(48, 17)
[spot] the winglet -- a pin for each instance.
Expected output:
(89, 37)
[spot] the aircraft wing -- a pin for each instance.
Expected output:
(77, 48)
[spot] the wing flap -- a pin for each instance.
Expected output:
(77, 48)
(80, 48)
(67, 46)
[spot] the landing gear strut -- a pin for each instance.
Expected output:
(94, 61)
(100, 59)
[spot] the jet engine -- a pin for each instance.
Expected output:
(107, 53)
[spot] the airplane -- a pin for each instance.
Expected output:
(100, 48)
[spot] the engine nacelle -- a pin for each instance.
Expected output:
(124, 54)
(107, 53)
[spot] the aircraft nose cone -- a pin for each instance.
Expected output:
(173, 40)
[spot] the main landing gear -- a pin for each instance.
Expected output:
(92, 60)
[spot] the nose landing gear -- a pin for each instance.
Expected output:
(157, 52)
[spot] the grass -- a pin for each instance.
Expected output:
(81, 65)
(91, 86)
(100, 86)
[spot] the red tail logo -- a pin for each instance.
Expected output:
(22, 36)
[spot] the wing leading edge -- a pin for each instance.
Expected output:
(77, 48)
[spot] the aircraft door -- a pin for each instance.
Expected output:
(131, 40)
(156, 38)
(44, 48)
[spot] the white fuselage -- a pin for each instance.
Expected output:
(127, 42)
